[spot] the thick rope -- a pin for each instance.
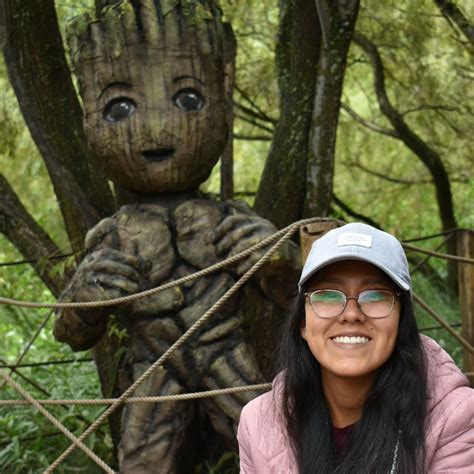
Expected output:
(181, 281)
(445, 256)
(157, 399)
(286, 235)
(443, 323)
(30, 400)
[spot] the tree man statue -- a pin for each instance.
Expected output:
(152, 79)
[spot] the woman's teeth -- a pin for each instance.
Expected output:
(351, 339)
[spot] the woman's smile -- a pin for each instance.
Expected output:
(350, 344)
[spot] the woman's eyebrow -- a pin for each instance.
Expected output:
(180, 78)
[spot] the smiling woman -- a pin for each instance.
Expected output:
(359, 389)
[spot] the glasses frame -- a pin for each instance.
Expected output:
(395, 294)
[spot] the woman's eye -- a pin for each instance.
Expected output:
(188, 100)
(119, 109)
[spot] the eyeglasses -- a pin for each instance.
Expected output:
(372, 303)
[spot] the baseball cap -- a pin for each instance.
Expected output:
(357, 241)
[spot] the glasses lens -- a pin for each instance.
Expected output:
(327, 303)
(376, 303)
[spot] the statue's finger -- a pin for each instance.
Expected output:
(115, 282)
(233, 238)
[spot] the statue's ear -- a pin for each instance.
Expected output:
(230, 52)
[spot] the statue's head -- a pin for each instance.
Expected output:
(151, 76)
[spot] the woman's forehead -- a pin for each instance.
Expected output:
(348, 271)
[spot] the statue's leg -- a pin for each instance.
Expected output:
(153, 433)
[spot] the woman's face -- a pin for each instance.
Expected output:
(376, 337)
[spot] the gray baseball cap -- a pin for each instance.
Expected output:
(357, 241)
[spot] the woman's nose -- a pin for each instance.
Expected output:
(352, 311)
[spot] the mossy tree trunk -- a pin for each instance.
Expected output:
(38, 71)
(311, 54)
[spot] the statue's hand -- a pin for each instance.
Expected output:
(105, 274)
(240, 232)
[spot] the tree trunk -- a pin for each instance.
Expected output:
(337, 20)
(281, 192)
(40, 76)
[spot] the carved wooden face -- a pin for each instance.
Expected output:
(155, 116)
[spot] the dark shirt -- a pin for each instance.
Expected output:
(341, 437)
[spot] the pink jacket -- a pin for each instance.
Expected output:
(449, 436)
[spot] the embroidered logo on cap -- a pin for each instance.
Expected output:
(363, 240)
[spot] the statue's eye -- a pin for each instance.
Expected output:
(119, 109)
(188, 100)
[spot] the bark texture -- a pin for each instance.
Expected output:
(41, 79)
(337, 21)
(298, 51)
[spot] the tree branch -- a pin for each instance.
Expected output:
(253, 122)
(262, 138)
(455, 16)
(261, 113)
(389, 178)
(349, 211)
(367, 123)
(251, 112)
(417, 145)
(40, 76)
(28, 237)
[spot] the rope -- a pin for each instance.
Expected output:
(285, 234)
(45, 363)
(448, 232)
(166, 286)
(56, 422)
(425, 259)
(158, 399)
(31, 342)
(445, 256)
(443, 323)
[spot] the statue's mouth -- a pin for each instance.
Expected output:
(159, 155)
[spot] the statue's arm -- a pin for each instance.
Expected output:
(241, 229)
(105, 273)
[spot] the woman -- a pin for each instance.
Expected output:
(359, 390)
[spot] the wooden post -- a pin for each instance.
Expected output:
(465, 248)
(311, 232)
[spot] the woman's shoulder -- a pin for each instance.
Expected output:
(263, 413)
(450, 429)
(261, 432)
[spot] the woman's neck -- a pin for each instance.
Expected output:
(345, 397)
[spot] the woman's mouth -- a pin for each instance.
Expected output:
(350, 339)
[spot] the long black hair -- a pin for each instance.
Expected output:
(389, 438)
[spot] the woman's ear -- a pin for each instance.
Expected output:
(303, 332)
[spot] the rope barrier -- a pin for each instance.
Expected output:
(56, 422)
(443, 323)
(444, 256)
(36, 260)
(448, 232)
(157, 399)
(427, 257)
(181, 281)
(45, 363)
(285, 234)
